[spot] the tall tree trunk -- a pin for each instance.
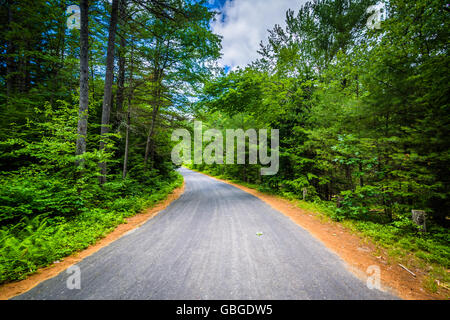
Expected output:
(157, 99)
(152, 152)
(60, 49)
(149, 144)
(93, 78)
(9, 51)
(348, 175)
(127, 143)
(109, 77)
(121, 77)
(130, 98)
(84, 78)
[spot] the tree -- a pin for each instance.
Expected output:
(84, 78)
(109, 77)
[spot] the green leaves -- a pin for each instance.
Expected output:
(36, 241)
(363, 115)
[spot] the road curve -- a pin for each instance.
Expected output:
(205, 246)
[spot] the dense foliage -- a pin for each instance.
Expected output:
(363, 116)
(86, 117)
(55, 197)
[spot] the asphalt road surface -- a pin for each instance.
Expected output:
(205, 246)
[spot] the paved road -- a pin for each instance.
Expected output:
(204, 246)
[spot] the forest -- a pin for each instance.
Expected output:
(87, 115)
(363, 115)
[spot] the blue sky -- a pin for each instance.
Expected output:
(243, 24)
(217, 3)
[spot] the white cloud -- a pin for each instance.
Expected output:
(245, 25)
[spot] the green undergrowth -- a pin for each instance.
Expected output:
(401, 239)
(36, 242)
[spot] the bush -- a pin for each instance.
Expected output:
(356, 204)
(28, 195)
(36, 242)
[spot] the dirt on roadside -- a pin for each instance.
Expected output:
(358, 253)
(10, 290)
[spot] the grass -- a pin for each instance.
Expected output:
(38, 242)
(429, 252)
